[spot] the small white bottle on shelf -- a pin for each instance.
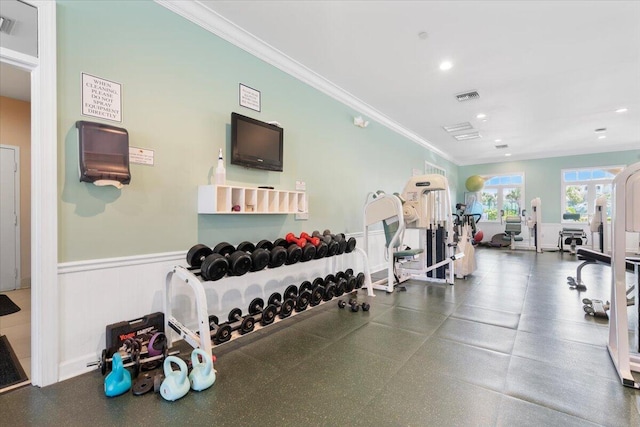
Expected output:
(221, 173)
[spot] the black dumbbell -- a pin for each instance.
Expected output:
(268, 313)
(294, 252)
(302, 299)
(331, 286)
(219, 333)
(330, 290)
(213, 266)
(259, 256)
(345, 245)
(365, 306)
(341, 286)
(243, 324)
(284, 308)
(359, 280)
(344, 274)
(339, 238)
(308, 249)
(321, 246)
(239, 261)
(352, 303)
(277, 254)
(332, 245)
(316, 289)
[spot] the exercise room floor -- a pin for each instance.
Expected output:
(508, 346)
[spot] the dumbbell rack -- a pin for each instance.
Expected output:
(202, 313)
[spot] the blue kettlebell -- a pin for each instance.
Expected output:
(202, 375)
(175, 384)
(119, 379)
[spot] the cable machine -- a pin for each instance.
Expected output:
(424, 205)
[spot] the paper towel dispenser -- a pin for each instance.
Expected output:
(103, 154)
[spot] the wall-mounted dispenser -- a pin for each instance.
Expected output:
(103, 154)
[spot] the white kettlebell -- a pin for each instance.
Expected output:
(175, 384)
(202, 374)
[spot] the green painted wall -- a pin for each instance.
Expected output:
(542, 176)
(179, 87)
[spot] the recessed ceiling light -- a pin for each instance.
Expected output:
(423, 35)
(507, 155)
(497, 140)
(621, 110)
(467, 136)
(484, 120)
(602, 136)
(446, 65)
(481, 116)
(458, 127)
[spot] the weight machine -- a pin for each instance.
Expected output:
(465, 231)
(572, 236)
(534, 223)
(625, 218)
(597, 224)
(423, 205)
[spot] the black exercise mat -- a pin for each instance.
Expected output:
(7, 306)
(11, 372)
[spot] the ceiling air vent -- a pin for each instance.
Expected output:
(467, 136)
(501, 146)
(467, 96)
(458, 127)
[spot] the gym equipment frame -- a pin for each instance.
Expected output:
(423, 205)
(625, 218)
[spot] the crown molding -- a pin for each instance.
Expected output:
(196, 12)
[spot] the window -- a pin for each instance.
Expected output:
(502, 194)
(583, 186)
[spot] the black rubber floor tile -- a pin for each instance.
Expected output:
(510, 302)
(325, 390)
(333, 324)
(562, 329)
(432, 305)
(394, 343)
(588, 358)
(491, 337)
(412, 320)
(30, 404)
(593, 398)
(516, 412)
(485, 315)
(569, 309)
(285, 347)
(434, 400)
(470, 364)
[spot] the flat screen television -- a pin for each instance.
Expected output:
(256, 144)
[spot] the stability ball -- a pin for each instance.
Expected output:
(474, 183)
(478, 237)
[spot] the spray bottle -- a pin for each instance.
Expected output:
(220, 170)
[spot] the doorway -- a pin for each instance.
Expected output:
(44, 218)
(15, 210)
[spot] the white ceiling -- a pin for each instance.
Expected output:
(548, 72)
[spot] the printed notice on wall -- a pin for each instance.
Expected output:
(140, 156)
(101, 98)
(249, 97)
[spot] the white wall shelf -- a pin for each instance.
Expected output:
(220, 199)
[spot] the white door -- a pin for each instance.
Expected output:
(9, 215)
